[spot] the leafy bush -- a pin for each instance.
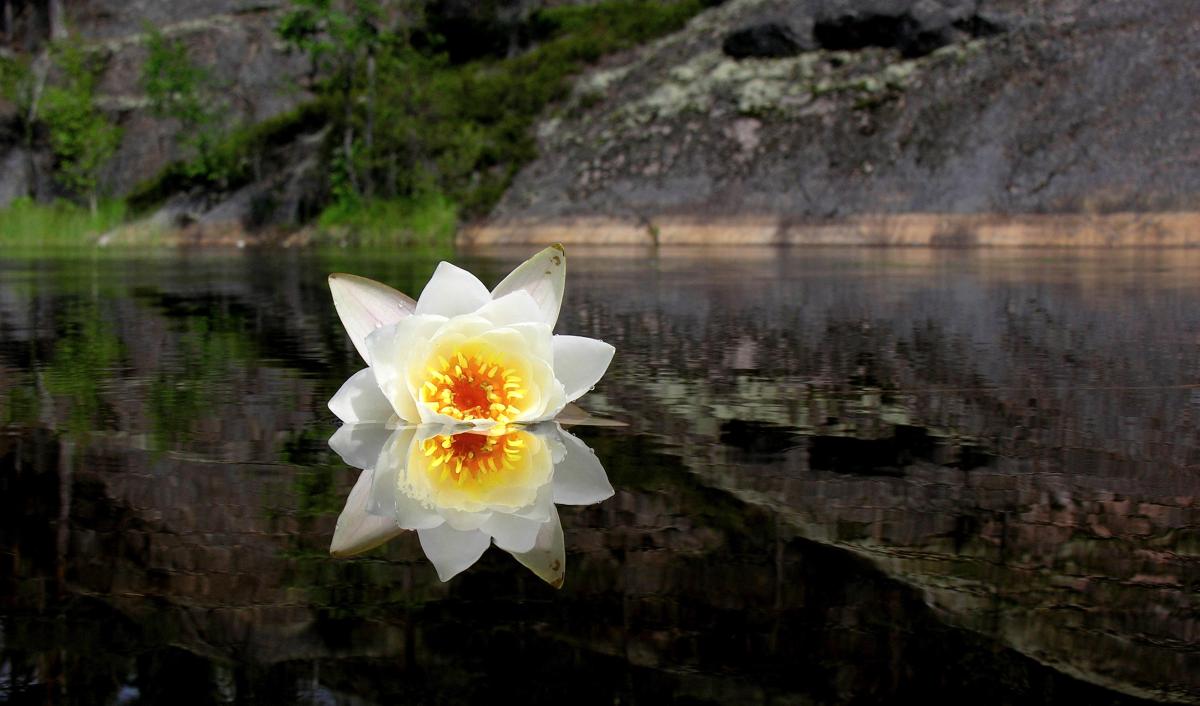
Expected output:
(186, 92)
(82, 137)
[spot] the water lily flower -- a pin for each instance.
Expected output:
(461, 354)
(462, 490)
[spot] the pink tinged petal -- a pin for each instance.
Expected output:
(579, 363)
(452, 291)
(515, 308)
(361, 401)
(358, 530)
(359, 445)
(451, 551)
(548, 558)
(579, 479)
(365, 305)
(512, 533)
(544, 277)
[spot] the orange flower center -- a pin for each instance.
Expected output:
(473, 384)
(471, 457)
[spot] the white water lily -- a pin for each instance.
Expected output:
(463, 490)
(461, 354)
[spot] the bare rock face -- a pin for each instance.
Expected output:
(233, 39)
(943, 107)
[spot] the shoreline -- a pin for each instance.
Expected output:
(931, 230)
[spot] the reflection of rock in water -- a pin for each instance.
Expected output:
(1021, 451)
(1026, 497)
(677, 590)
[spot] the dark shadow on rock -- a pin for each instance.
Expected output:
(769, 40)
(913, 35)
(873, 457)
(760, 440)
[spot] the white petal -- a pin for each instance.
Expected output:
(359, 445)
(391, 347)
(411, 514)
(579, 363)
(364, 305)
(579, 479)
(361, 400)
(548, 558)
(515, 308)
(357, 530)
(452, 291)
(452, 551)
(512, 533)
(544, 277)
(387, 498)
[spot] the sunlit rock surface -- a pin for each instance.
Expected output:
(900, 107)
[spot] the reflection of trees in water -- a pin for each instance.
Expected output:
(676, 589)
(946, 429)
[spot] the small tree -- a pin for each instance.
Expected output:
(82, 137)
(345, 41)
(179, 89)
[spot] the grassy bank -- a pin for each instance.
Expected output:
(25, 223)
(427, 220)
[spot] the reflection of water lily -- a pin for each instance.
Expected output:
(465, 490)
(461, 353)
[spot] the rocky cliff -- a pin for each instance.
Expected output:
(768, 116)
(235, 40)
(780, 121)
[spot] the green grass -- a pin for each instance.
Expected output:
(427, 220)
(26, 223)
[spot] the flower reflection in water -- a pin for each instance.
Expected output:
(463, 490)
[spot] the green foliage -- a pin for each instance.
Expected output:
(181, 90)
(81, 135)
(16, 81)
(82, 359)
(415, 141)
(409, 123)
(241, 154)
(24, 222)
(428, 219)
(210, 350)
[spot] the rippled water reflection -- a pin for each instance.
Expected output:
(847, 477)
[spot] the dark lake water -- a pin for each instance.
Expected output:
(871, 476)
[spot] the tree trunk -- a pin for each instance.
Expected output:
(369, 137)
(58, 27)
(7, 19)
(348, 141)
(93, 206)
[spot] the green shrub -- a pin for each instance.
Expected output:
(179, 89)
(82, 137)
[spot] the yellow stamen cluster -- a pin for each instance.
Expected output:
(470, 385)
(473, 456)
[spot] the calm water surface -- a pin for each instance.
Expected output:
(846, 477)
